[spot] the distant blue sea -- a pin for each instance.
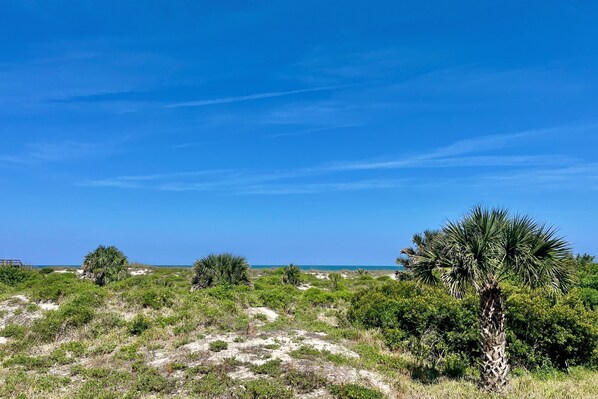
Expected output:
(303, 267)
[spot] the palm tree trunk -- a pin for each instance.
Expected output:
(493, 368)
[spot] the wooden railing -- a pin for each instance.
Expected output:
(11, 262)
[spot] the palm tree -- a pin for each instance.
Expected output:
(105, 264)
(420, 241)
(291, 274)
(220, 269)
(483, 249)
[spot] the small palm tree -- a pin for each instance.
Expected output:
(217, 269)
(336, 281)
(421, 242)
(291, 274)
(481, 250)
(105, 264)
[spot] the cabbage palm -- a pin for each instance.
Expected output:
(217, 269)
(291, 274)
(105, 264)
(420, 242)
(483, 249)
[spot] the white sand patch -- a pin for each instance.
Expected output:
(305, 287)
(242, 373)
(160, 359)
(317, 394)
(260, 350)
(139, 272)
(320, 276)
(330, 320)
(343, 275)
(65, 271)
(48, 306)
(79, 271)
(15, 311)
(392, 276)
(345, 374)
(3, 340)
(21, 298)
(269, 313)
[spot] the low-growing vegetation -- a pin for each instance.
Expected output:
(334, 336)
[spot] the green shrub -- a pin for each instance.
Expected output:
(424, 320)
(279, 297)
(13, 331)
(441, 332)
(589, 297)
(214, 384)
(220, 269)
(139, 324)
(271, 368)
(336, 281)
(265, 389)
(542, 332)
(56, 286)
(75, 312)
(219, 345)
(151, 297)
(28, 362)
(12, 276)
(46, 270)
(455, 365)
(291, 274)
(105, 264)
(318, 297)
(67, 352)
(354, 391)
(149, 380)
(305, 352)
(304, 382)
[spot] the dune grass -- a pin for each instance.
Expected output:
(151, 336)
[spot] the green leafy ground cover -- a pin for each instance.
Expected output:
(352, 335)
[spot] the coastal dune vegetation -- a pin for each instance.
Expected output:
(223, 330)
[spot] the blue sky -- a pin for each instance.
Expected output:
(313, 132)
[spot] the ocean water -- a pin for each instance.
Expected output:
(302, 267)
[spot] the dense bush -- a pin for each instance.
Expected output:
(336, 281)
(55, 286)
(278, 297)
(75, 312)
(12, 276)
(291, 274)
(587, 272)
(544, 332)
(105, 264)
(441, 331)
(424, 320)
(220, 269)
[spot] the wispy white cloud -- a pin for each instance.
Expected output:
(61, 150)
(459, 153)
(466, 156)
(184, 145)
(318, 188)
(313, 130)
(58, 151)
(566, 176)
(251, 97)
